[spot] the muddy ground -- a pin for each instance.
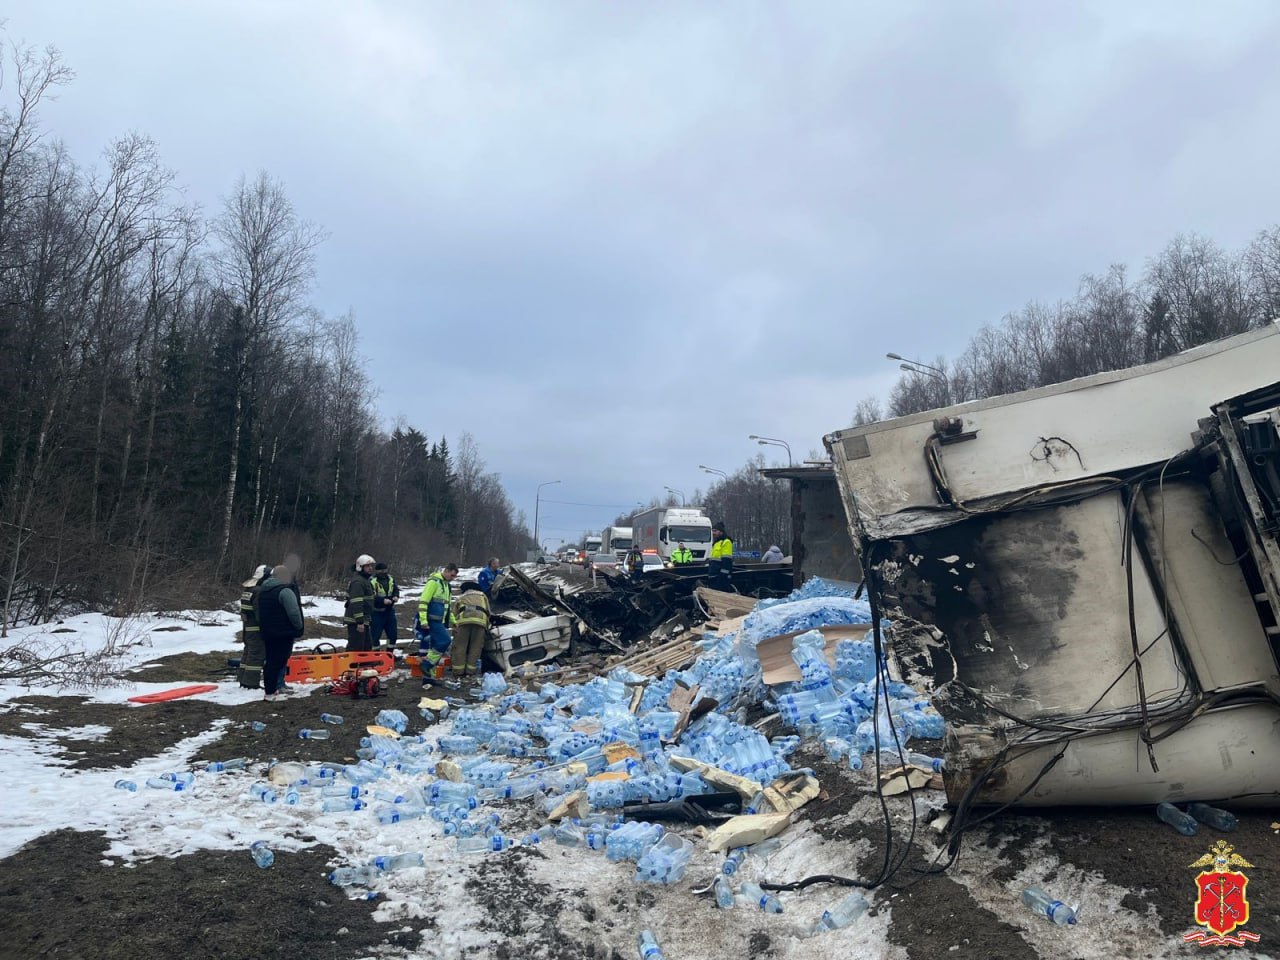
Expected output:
(58, 898)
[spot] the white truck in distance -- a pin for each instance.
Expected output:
(616, 540)
(664, 528)
(590, 547)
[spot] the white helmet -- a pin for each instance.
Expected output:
(363, 559)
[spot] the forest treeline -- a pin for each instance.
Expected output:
(175, 410)
(1192, 292)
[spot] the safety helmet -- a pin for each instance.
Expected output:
(363, 559)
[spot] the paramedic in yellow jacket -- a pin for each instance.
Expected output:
(720, 565)
(435, 614)
(471, 623)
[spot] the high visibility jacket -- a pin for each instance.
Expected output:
(682, 556)
(383, 588)
(472, 608)
(722, 549)
(249, 613)
(435, 602)
(359, 600)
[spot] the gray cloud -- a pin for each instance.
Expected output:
(668, 227)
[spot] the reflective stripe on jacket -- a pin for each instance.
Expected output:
(682, 556)
(249, 612)
(359, 600)
(722, 549)
(434, 605)
(388, 589)
(472, 607)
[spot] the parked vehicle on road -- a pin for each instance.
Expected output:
(663, 528)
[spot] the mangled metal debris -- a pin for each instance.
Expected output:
(1087, 575)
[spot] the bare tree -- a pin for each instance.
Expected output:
(265, 262)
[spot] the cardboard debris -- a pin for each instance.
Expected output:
(941, 822)
(775, 652)
(743, 786)
(747, 829)
(448, 770)
(609, 775)
(573, 805)
(613, 752)
(896, 781)
(789, 794)
(377, 731)
(430, 704)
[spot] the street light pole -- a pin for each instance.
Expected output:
(703, 466)
(771, 441)
(676, 492)
(537, 502)
(922, 369)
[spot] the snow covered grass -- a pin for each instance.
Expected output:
(45, 794)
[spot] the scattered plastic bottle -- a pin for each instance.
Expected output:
(257, 726)
(291, 797)
(733, 861)
(842, 914)
(387, 796)
(765, 848)
(331, 718)
(350, 876)
(647, 944)
(393, 719)
(126, 785)
(185, 776)
(313, 734)
(399, 813)
(724, 892)
(1045, 905)
(399, 861)
(342, 790)
(1184, 823)
(263, 792)
(334, 804)
(765, 901)
(1218, 819)
(159, 783)
(217, 766)
(262, 854)
(495, 844)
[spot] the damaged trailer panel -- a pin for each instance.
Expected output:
(1086, 573)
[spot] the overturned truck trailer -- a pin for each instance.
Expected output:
(1089, 576)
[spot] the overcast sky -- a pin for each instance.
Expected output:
(668, 225)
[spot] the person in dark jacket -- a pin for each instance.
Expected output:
(250, 673)
(385, 594)
(280, 622)
(359, 609)
(720, 565)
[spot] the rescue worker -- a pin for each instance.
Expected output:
(471, 623)
(359, 610)
(385, 594)
(635, 562)
(681, 555)
(250, 673)
(435, 614)
(720, 565)
(488, 575)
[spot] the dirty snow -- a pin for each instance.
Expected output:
(218, 813)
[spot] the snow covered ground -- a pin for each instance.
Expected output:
(218, 813)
